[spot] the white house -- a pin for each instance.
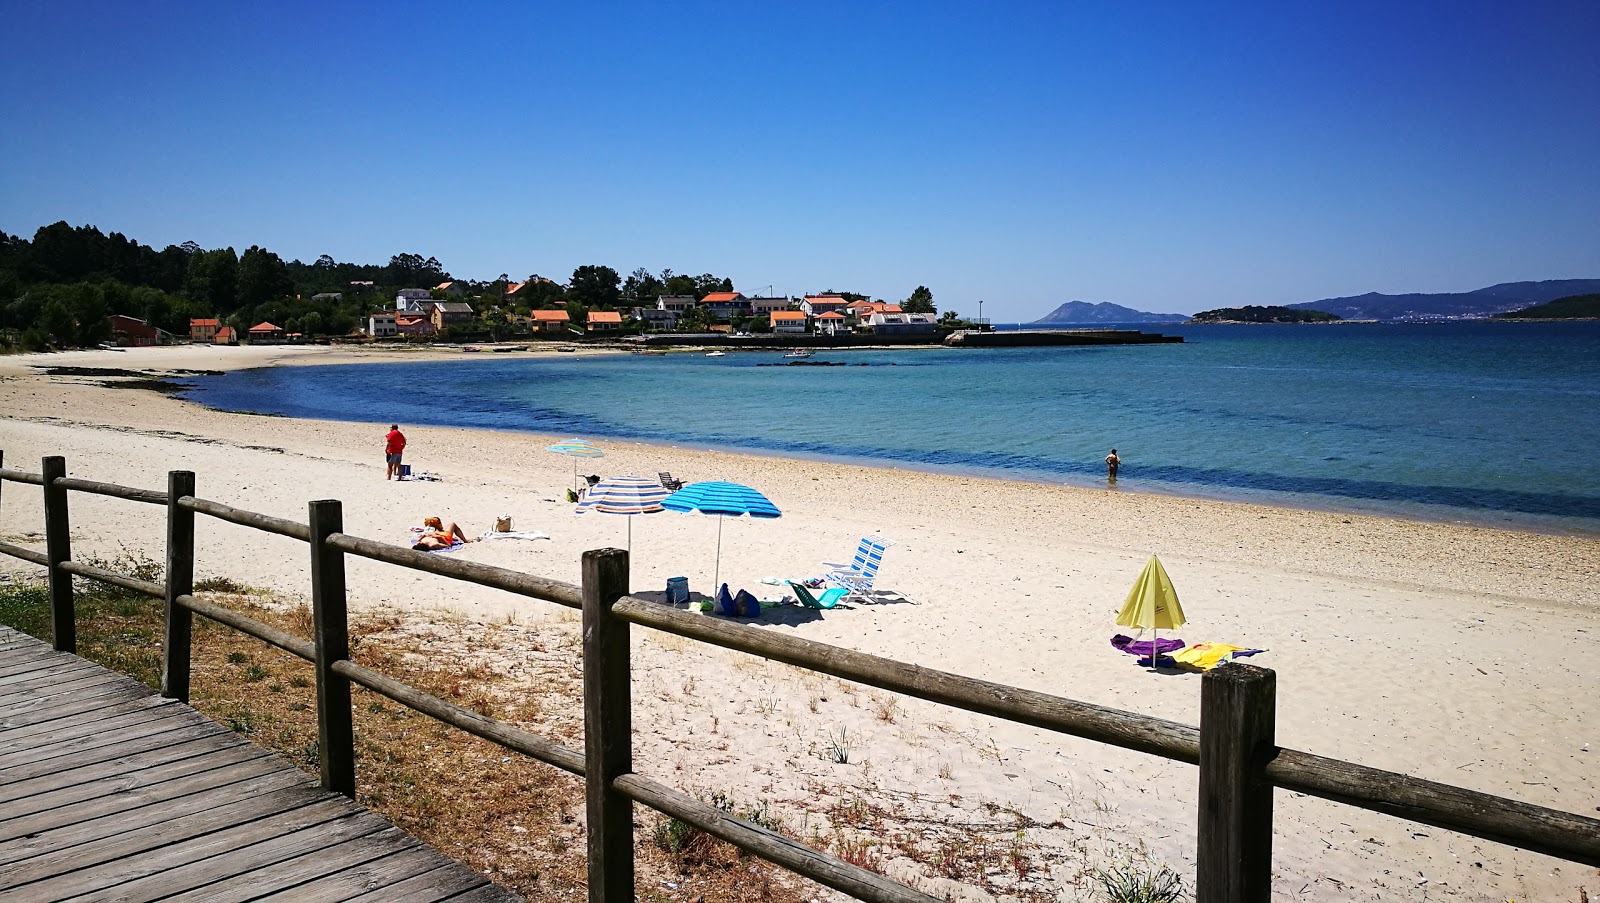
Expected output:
(382, 325)
(656, 319)
(831, 323)
(816, 305)
(788, 321)
(903, 324)
(675, 303)
(412, 299)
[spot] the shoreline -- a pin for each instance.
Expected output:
(1427, 649)
(1396, 509)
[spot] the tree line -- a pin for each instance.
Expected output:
(58, 288)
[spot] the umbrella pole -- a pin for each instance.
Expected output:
(1155, 643)
(630, 535)
(716, 574)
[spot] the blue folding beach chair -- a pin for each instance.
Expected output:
(862, 572)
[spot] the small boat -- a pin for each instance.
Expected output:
(567, 348)
(471, 349)
(798, 353)
(716, 354)
(653, 353)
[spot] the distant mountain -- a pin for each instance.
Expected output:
(1104, 312)
(1484, 302)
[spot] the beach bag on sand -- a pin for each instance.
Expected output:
(748, 606)
(677, 590)
(725, 603)
(502, 524)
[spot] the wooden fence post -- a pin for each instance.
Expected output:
(335, 733)
(1237, 714)
(58, 548)
(178, 622)
(607, 727)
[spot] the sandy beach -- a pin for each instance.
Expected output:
(1452, 652)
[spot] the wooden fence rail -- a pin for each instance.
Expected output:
(1234, 747)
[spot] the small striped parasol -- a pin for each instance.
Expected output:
(576, 448)
(624, 495)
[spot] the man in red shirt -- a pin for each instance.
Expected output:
(394, 446)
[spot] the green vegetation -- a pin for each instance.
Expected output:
(1140, 884)
(1572, 307)
(1254, 314)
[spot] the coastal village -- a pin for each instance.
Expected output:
(451, 310)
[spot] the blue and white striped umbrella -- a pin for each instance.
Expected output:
(624, 495)
(576, 448)
(723, 500)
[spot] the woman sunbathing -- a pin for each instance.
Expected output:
(437, 535)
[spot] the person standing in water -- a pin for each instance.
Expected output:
(1112, 462)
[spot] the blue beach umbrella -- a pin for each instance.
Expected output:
(624, 495)
(576, 448)
(722, 500)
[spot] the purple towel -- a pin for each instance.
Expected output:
(1142, 647)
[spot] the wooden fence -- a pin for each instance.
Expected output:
(1239, 762)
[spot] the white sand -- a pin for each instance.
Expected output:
(1455, 653)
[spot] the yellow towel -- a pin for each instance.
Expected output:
(1205, 656)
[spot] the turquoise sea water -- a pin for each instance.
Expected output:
(1494, 423)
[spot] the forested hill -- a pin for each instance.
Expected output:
(59, 287)
(1575, 307)
(1253, 314)
(1483, 302)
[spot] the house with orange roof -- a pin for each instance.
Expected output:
(203, 329)
(831, 322)
(413, 325)
(788, 321)
(225, 336)
(550, 321)
(265, 333)
(453, 289)
(814, 305)
(726, 304)
(604, 321)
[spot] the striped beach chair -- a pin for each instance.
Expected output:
(861, 573)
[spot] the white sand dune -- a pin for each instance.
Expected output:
(1453, 652)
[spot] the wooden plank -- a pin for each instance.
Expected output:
(276, 806)
(225, 855)
(365, 878)
(29, 659)
(52, 748)
(428, 887)
(121, 688)
(488, 893)
(295, 873)
(17, 682)
(82, 725)
(47, 747)
(58, 548)
(188, 750)
(35, 822)
(68, 684)
(76, 712)
(26, 780)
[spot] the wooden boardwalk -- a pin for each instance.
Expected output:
(109, 792)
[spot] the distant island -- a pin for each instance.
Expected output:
(1478, 304)
(1572, 307)
(1253, 314)
(1103, 312)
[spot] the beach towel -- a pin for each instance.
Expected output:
(1142, 647)
(1205, 656)
(515, 534)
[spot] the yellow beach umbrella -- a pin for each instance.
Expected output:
(1152, 604)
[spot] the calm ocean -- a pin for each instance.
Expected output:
(1491, 423)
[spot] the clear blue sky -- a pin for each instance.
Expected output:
(1166, 156)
